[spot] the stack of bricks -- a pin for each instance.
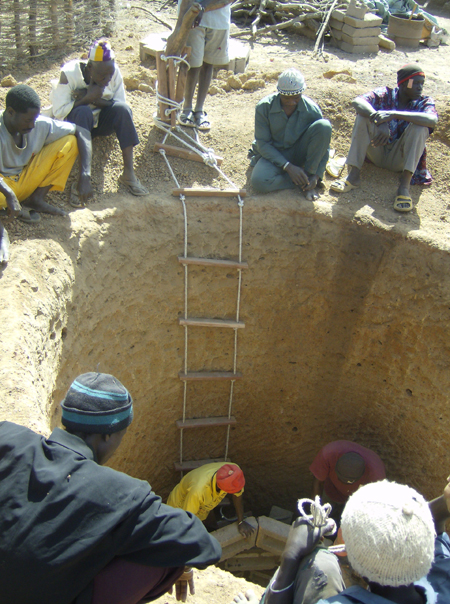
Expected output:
(356, 30)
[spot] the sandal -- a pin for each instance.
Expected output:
(186, 118)
(134, 186)
(342, 186)
(201, 121)
(403, 203)
(74, 198)
(29, 216)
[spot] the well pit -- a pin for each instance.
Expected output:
(347, 336)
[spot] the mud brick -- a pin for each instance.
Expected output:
(338, 15)
(357, 49)
(370, 20)
(385, 42)
(365, 32)
(232, 541)
(356, 10)
(255, 559)
(372, 41)
(281, 514)
(272, 535)
(335, 24)
(337, 35)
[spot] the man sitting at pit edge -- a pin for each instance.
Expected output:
(92, 95)
(391, 128)
(292, 140)
(36, 156)
(73, 531)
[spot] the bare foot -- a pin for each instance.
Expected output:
(249, 597)
(403, 190)
(4, 245)
(42, 206)
(311, 195)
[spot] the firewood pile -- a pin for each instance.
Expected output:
(33, 28)
(263, 16)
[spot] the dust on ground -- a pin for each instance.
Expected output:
(232, 115)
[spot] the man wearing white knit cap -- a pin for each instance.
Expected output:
(389, 539)
(291, 139)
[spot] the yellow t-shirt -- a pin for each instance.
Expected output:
(197, 492)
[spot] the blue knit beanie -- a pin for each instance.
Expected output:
(97, 403)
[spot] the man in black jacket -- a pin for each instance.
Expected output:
(73, 531)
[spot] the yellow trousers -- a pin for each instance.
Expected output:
(50, 167)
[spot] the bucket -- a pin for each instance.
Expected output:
(405, 31)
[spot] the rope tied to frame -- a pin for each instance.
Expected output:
(319, 517)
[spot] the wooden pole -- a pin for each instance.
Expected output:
(32, 17)
(163, 87)
(171, 77)
(54, 21)
(182, 75)
(17, 27)
(183, 153)
(69, 22)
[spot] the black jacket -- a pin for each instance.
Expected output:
(63, 518)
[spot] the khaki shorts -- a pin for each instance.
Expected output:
(208, 45)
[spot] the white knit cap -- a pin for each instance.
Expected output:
(389, 533)
(291, 82)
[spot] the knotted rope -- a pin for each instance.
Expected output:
(319, 517)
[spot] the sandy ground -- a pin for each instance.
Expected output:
(232, 114)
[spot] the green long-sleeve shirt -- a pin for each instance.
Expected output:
(275, 131)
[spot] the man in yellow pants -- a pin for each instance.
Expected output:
(36, 156)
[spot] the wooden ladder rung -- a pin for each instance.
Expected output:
(212, 262)
(212, 323)
(209, 375)
(186, 466)
(208, 192)
(205, 422)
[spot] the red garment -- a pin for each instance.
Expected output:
(323, 468)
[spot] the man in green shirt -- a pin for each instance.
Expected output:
(291, 139)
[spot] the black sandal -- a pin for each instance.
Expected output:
(186, 118)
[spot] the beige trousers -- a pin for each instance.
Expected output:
(402, 154)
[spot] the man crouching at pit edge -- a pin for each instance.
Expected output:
(73, 531)
(292, 140)
(36, 156)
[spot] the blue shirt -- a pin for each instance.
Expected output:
(439, 575)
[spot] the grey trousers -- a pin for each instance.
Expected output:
(402, 154)
(310, 152)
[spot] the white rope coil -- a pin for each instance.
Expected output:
(320, 516)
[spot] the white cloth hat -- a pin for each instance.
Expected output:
(389, 533)
(291, 82)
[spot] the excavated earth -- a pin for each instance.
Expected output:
(346, 303)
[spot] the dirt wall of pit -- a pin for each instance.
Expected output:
(347, 337)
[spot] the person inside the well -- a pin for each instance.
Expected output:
(75, 531)
(391, 129)
(292, 140)
(202, 489)
(91, 94)
(36, 156)
(340, 468)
